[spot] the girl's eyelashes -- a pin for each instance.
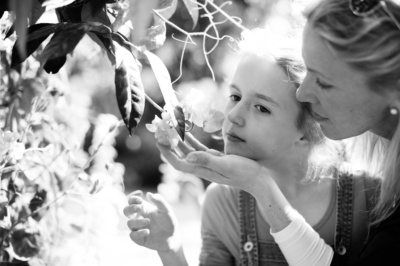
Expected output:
(234, 97)
(262, 109)
(322, 85)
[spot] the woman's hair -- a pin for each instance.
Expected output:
(370, 45)
(285, 52)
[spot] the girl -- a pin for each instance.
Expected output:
(265, 123)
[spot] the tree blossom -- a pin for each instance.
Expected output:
(10, 145)
(164, 131)
(201, 111)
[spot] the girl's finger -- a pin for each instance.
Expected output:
(130, 210)
(138, 223)
(197, 145)
(185, 148)
(133, 199)
(139, 236)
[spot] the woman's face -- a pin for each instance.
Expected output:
(260, 113)
(341, 101)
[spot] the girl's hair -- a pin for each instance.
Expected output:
(370, 45)
(285, 52)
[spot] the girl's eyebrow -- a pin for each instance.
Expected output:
(266, 98)
(258, 95)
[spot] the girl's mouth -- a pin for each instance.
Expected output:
(233, 138)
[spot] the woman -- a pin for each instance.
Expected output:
(263, 122)
(352, 53)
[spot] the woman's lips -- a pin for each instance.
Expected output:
(318, 118)
(233, 138)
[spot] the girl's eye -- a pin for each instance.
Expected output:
(262, 109)
(322, 85)
(234, 97)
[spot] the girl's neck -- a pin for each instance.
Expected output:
(288, 176)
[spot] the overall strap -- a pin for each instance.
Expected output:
(248, 230)
(344, 214)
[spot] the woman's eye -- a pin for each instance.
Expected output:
(322, 85)
(262, 109)
(234, 97)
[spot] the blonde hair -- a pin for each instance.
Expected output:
(370, 45)
(285, 51)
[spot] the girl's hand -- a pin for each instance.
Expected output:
(153, 223)
(214, 166)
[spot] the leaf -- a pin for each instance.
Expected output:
(70, 13)
(36, 35)
(141, 15)
(37, 12)
(180, 119)
(167, 8)
(53, 65)
(164, 81)
(53, 4)
(129, 88)
(64, 42)
(95, 12)
(192, 7)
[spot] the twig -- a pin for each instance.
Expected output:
(154, 104)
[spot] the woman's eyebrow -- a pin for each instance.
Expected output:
(319, 73)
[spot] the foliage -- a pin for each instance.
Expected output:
(48, 160)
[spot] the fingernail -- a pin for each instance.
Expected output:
(191, 159)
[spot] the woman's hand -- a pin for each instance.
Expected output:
(152, 222)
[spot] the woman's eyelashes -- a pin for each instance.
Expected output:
(322, 85)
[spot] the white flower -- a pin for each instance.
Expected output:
(10, 145)
(164, 132)
(201, 111)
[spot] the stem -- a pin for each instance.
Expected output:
(227, 16)
(154, 104)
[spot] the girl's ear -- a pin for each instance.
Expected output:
(302, 141)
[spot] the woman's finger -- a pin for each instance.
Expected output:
(138, 223)
(185, 148)
(133, 199)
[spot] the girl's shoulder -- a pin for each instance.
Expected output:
(220, 198)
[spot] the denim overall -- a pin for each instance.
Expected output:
(258, 253)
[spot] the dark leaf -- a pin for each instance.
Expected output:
(37, 11)
(36, 35)
(105, 42)
(53, 65)
(3, 7)
(191, 6)
(62, 43)
(70, 13)
(11, 30)
(129, 88)
(180, 119)
(95, 11)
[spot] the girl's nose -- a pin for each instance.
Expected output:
(236, 115)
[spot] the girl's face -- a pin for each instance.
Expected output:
(341, 101)
(261, 112)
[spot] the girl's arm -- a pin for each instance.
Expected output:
(300, 244)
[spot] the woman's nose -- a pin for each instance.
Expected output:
(236, 115)
(305, 93)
